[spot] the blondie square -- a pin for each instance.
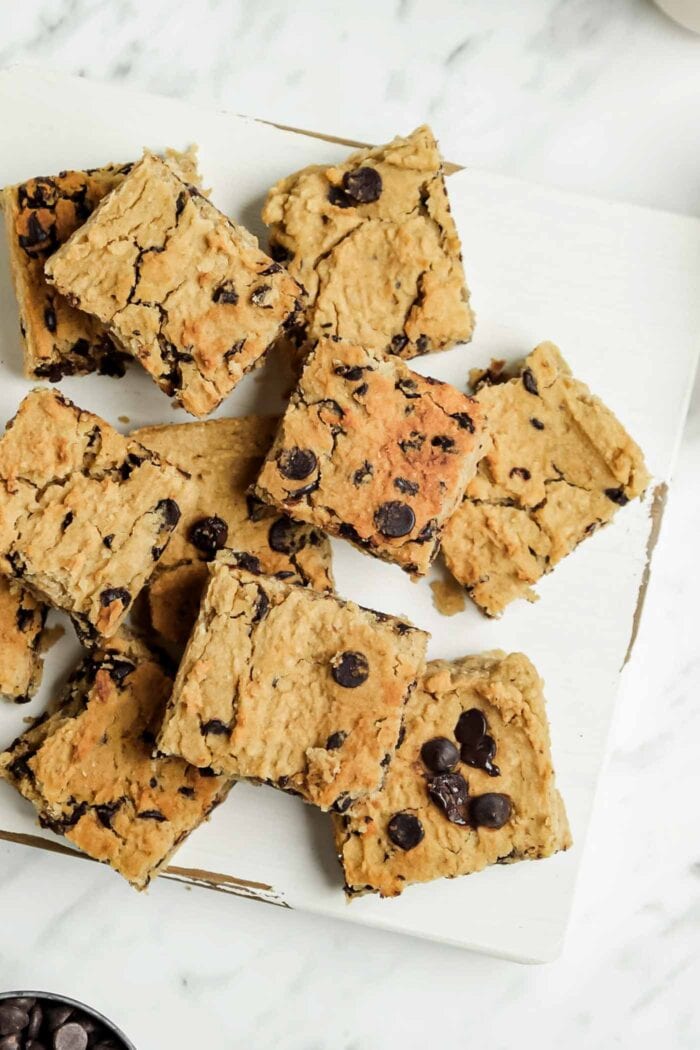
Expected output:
(285, 685)
(85, 513)
(374, 244)
(177, 284)
(471, 783)
(22, 619)
(560, 466)
(40, 216)
(89, 768)
(373, 452)
(222, 458)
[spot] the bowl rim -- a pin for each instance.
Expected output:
(58, 997)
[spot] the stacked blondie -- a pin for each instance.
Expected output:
(194, 559)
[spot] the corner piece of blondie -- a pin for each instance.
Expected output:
(283, 685)
(85, 513)
(375, 453)
(89, 769)
(560, 466)
(374, 244)
(178, 285)
(22, 619)
(471, 783)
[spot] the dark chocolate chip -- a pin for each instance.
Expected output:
(67, 520)
(342, 803)
(360, 390)
(169, 511)
(490, 810)
(339, 198)
(130, 464)
(471, 726)
(480, 755)
(409, 488)
(209, 535)
(398, 342)
(405, 830)
(13, 1018)
(106, 811)
(152, 814)
(529, 382)
(449, 791)
(408, 387)
(521, 472)
(50, 318)
(24, 619)
(394, 519)
(362, 473)
(36, 1018)
(401, 737)
(108, 541)
(216, 727)
(336, 740)
(537, 423)
(180, 203)
(427, 533)
(57, 1015)
(279, 252)
(443, 442)
(71, 1036)
(350, 372)
(118, 669)
(363, 185)
(464, 420)
(262, 606)
(439, 754)
(617, 496)
(422, 344)
(225, 293)
(296, 463)
(115, 594)
(188, 792)
(260, 294)
(350, 669)
(413, 443)
(286, 536)
(235, 349)
(256, 508)
(248, 562)
(272, 268)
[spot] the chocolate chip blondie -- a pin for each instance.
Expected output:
(298, 689)
(374, 244)
(22, 619)
(471, 783)
(560, 466)
(40, 216)
(177, 284)
(85, 513)
(373, 452)
(222, 458)
(89, 768)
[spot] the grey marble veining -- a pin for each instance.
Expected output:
(589, 94)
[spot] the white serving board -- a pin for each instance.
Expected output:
(615, 286)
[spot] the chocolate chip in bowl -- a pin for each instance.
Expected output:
(46, 1021)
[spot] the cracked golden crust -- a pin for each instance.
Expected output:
(84, 512)
(560, 466)
(380, 434)
(88, 769)
(179, 285)
(388, 273)
(22, 620)
(40, 216)
(223, 457)
(508, 691)
(255, 695)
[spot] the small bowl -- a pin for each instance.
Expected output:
(89, 1011)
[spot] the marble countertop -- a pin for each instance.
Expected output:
(585, 94)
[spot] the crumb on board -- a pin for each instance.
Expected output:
(448, 596)
(124, 419)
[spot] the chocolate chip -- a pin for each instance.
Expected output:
(409, 488)
(464, 420)
(152, 814)
(13, 1018)
(336, 740)
(108, 541)
(180, 203)
(36, 1018)
(439, 754)
(106, 811)
(272, 268)
(260, 294)
(216, 727)
(398, 342)
(350, 669)
(617, 496)
(471, 726)
(235, 349)
(443, 442)
(286, 536)
(360, 390)
(169, 511)
(401, 737)
(362, 473)
(115, 594)
(449, 791)
(248, 562)
(225, 293)
(521, 472)
(50, 318)
(296, 463)
(24, 619)
(364, 185)
(408, 387)
(118, 669)
(349, 372)
(339, 198)
(262, 606)
(478, 748)
(188, 792)
(427, 533)
(537, 423)
(405, 830)
(209, 535)
(257, 510)
(413, 443)
(529, 382)
(57, 1015)
(422, 344)
(130, 464)
(71, 1036)
(490, 810)
(342, 803)
(394, 519)
(67, 520)
(279, 252)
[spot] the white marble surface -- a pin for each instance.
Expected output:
(588, 94)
